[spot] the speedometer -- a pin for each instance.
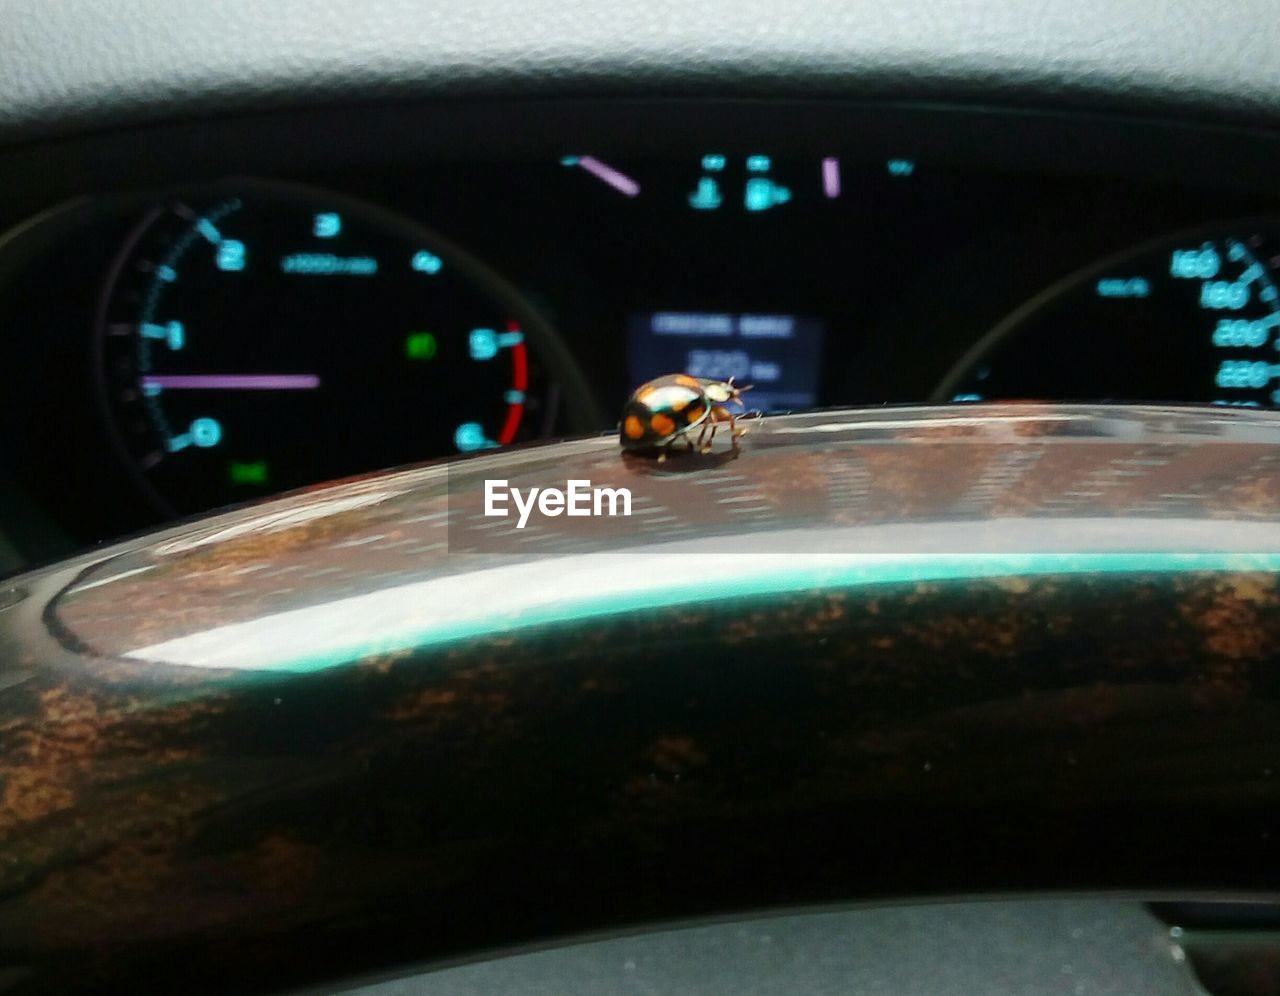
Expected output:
(1192, 318)
(263, 336)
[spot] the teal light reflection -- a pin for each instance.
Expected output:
(552, 591)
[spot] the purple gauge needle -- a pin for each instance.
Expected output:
(831, 176)
(233, 382)
(618, 181)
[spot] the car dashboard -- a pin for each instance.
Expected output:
(249, 248)
(289, 310)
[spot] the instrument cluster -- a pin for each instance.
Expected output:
(181, 349)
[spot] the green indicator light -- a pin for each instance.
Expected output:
(247, 473)
(420, 346)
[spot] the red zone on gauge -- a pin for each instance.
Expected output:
(519, 384)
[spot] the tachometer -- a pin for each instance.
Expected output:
(264, 337)
(1193, 318)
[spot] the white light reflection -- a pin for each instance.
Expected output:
(541, 591)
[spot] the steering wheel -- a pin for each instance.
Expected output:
(885, 654)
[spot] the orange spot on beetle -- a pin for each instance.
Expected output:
(663, 425)
(687, 381)
(695, 413)
(633, 427)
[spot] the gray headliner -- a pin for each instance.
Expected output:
(70, 64)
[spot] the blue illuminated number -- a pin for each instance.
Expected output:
(326, 225)
(759, 164)
(1195, 264)
(206, 432)
(1244, 374)
(901, 167)
(427, 262)
(230, 256)
(713, 163)
(470, 436)
(174, 334)
(483, 344)
(1231, 332)
(1223, 295)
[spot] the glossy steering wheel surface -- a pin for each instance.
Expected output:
(883, 654)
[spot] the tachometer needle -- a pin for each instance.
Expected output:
(232, 382)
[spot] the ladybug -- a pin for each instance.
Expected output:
(667, 410)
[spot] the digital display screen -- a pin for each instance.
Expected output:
(777, 355)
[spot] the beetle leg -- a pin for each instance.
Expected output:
(703, 446)
(711, 424)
